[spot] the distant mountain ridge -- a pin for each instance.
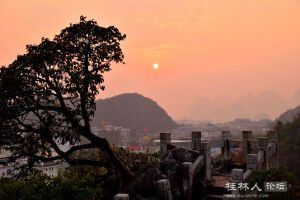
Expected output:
(265, 105)
(134, 111)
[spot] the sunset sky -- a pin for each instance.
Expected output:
(204, 48)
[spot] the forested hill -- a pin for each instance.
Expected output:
(289, 115)
(288, 124)
(134, 111)
(289, 145)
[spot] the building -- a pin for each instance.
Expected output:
(51, 168)
(115, 135)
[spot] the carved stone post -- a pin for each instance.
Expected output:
(237, 177)
(196, 140)
(252, 162)
(247, 138)
(263, 146)
(226, 147)
(165, 139)
(121, 197)
(273, 138)
(163, 189)
(205, 150)
(187, 180)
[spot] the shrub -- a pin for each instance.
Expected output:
(37, 186)
(280, 174)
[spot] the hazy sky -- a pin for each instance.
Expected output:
(205, 48)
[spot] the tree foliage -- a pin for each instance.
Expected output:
(289, 145)
(75, 182)
(280, 174)
(37, 186)
(48, 95)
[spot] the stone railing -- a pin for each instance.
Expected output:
(267, 157)
(197, 148)
(191, 170)
(273, 150)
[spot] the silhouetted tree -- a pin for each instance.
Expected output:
(47, 95)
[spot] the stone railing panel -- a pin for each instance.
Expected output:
(196, 140)
(187, 180)
(271, 149)
(274, 158)
(260, 160)
(163, 190)
(205, 150)
(252, 161)
(263, 146)
(237, 177)
(246, 174)
(165, 139)
(198, 164)
(226, 148)
(121, 197)
(247, 138)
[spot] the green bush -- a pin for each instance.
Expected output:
(136, 162)
(76, 183)
(280, 174)
(41, 187)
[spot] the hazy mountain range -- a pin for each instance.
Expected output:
(266, 105)
(140, 114)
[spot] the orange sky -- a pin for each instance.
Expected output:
(205, 48)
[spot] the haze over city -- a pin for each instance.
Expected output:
(224, 55)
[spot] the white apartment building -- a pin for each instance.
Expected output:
(52, 168)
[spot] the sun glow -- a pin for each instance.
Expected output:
(155, 66)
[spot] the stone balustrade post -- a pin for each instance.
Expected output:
(247, 138)
(196, 140)
(163, 190)
(226, 148)
(121, 197)
(263, 146)
(237, 177)
(273, 138)
(187, 180)
(165, 139)
(252, 162)
(205, 150)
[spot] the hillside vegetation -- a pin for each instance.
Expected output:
(289, 145)
(289, 115)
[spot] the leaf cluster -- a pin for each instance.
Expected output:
(280, 174)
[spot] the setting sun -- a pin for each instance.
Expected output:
(155, 66)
